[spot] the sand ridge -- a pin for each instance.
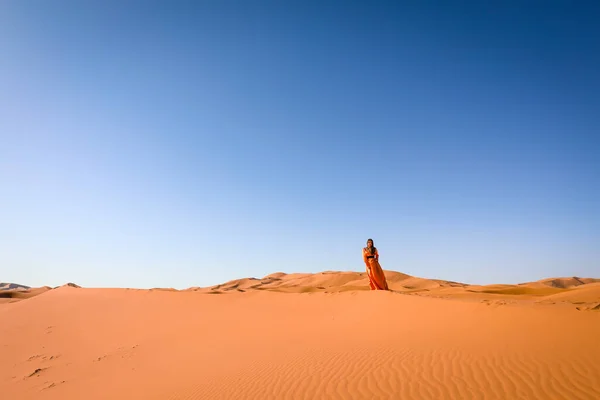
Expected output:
(571, 290)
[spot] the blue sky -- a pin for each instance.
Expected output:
(183, 143)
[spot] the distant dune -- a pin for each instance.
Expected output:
(12, 292)
(311, 336)
(73, 285)
(552, 289)
(12, 286)
(567, 283)
(20, 293)
(330, 282)
(573, 290)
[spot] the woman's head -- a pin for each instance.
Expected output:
(370, 246)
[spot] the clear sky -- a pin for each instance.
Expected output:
(187, 143)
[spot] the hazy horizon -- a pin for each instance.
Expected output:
(179, 144)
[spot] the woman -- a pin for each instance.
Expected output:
(376, 276)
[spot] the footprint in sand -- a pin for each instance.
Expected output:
(43, 357)
(124, 352)
(36, 372)
(53, 384)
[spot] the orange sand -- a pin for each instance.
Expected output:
(321, 336)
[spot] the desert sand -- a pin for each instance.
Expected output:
(304, 336)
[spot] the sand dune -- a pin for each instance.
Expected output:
(13, 295)
(566, 283)
(328, 282)
(11, 292)
(335, 282)
(302, 336)
(12, 286)
(588, 293)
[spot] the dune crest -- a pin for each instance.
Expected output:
(581, 292)
(12, 286)
(72, 285)
(571, 290)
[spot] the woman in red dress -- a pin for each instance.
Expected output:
(376, 276)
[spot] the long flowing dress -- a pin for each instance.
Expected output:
(375, 273)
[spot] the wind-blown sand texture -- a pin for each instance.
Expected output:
(305, 336)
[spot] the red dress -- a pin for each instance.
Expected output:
(376, 276)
